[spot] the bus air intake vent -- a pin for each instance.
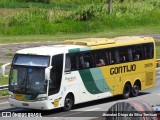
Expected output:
(90, 41)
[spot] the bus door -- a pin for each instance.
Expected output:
(56, 74)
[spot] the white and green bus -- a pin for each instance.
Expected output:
(77, 71)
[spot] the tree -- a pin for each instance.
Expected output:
(109, 6)
(121, 1)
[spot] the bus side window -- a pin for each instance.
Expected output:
(72, 62)
(113, 55)
(148, 50)
(112, 59)
(138, 53)
(85, 60)
(100, 58)
(67, 63)
(130, 56)
(117, 60)
(125, 54)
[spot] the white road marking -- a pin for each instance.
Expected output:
(79, 112)
(93, 109)
(66, 115)
(4, 103)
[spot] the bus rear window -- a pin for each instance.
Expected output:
(31, 60)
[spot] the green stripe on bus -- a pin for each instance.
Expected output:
(85, 48)
(89, 81)
(99, 80)
(74, 50)
(79, 49)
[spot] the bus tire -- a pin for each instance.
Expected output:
(135, 89)
(126, 91)
(68, 102)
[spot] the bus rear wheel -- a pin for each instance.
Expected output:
(126, 91)
(68, 103)
(135, 90)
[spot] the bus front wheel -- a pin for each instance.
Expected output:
(69, 102)
(126, 91)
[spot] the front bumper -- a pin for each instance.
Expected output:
(41, 105)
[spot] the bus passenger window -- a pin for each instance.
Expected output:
(124, 54)
(130, 57)
(86, 65)
(138, 52)
(100, 58)
(136, 57)
(112, 56)
(85, 60)
(72, 62)
(68, 63)
(100, 62)
(148, 50)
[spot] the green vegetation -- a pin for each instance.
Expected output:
(1, 64)
(9, 55)
(62, 4)
(109, 34)
(158, 50)
(3, 80)
(3, 93)
(89, 17)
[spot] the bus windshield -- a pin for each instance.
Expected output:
(31, 60)
(28, 80)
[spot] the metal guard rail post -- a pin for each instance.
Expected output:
(3, 87)
(3, 68)
(158, 62)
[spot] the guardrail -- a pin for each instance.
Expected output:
(158, 62)
(3, 87)
(3, 69)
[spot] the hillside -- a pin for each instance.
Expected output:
(75, 16)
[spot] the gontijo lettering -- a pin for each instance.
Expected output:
(122, 69)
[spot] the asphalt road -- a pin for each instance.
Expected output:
(87, 110)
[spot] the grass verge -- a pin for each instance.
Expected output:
(3, 80)
(62, 36)
(89, 18)
(158, 50)
(3, 93)
(1, 64)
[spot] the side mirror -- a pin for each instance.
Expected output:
(47, 73)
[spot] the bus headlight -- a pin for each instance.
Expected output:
(42, 98)
(11, 96)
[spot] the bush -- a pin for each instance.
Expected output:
(43, 1)
(88, 12)
(87, 18)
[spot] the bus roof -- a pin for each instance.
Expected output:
(105, 41)
(48, 50)
(85, 44)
